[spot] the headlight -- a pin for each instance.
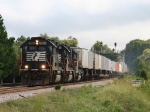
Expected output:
(43, 66)
(37, 42)
(26, 66)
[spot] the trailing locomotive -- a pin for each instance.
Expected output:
(45, 61)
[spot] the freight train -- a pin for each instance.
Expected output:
(45, 61)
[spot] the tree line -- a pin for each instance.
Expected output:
(137, 57)
(101, 48)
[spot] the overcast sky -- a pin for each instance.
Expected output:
(109, 21)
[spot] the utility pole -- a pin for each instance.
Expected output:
(101, 44)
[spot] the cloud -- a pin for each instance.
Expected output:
(88, 21)
(119, 34)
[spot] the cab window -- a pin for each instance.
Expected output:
(74, 56)
(65, 52)
(41, 48)
(50, 48)
(24, 48)
(32, 48)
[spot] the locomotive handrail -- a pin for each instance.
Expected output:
(20, 62)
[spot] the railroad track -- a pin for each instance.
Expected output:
(14, 89)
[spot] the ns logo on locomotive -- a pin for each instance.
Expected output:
(45, 61)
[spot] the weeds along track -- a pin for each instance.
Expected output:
(19, 88)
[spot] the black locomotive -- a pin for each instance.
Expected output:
(45, 61)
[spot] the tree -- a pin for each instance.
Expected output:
(143, 64)
(45, 36)
(55, 39)
(71, 41)
(98, 47)
(144, 75)
(21, 40)
(7, 54)
(51, 38)
(133, 50)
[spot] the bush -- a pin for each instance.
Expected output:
(58, 87)
(143, 74)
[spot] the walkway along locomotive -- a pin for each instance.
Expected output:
(45, 61)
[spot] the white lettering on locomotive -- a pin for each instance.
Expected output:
(35, 56)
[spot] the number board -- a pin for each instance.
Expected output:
(40, 43)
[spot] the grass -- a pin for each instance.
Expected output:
(119, 96)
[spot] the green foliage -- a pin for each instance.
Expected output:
(105, 51)
(58, 87)
(55, 39)
(145, 88)
(7, 53)
(45, 36)
(21, 40)
(143, 64)
(144, 74)
(48, 37)
(116, 97)
(71, 41)
(133, 50)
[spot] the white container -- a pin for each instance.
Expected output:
(124, 67)
(102, 62)
(83, 57)
(106, 64)
(109, 68)
(96, 61)
(113, 65)
(90, 59)
(120, 68)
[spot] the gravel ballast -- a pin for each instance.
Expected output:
(26, 94)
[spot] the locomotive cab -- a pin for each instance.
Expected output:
(35, 61)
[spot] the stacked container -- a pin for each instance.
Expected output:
(106, 64)
(120, 68)
(90, 59)
(117, 66)
(113, 66)
(103, 62)
(124, 67)
(100, 63)
(96, 61)
(110, 65)
(83, 57)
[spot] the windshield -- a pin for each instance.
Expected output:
(74, 56)
(41, 48)
(32, 48)
(36, 48)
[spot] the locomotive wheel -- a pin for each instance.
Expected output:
(82, 76)
(74, 77)
(91, 75)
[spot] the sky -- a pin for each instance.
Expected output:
(108, 21)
